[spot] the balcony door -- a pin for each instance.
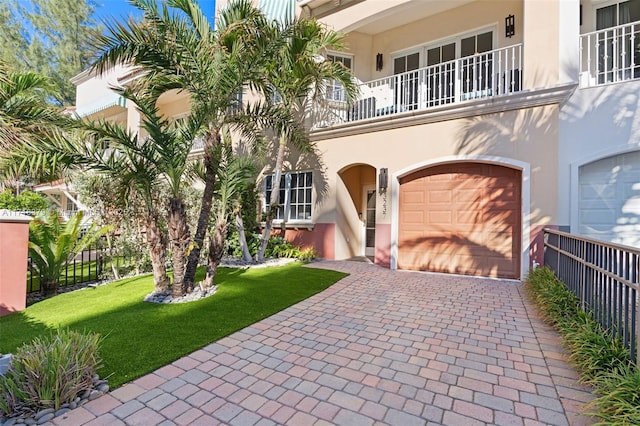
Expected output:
(406, 82)
(618, 48)
(440, 74)
(477, 65)
(454, 70)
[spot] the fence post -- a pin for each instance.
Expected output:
(637, 281)
(14, 239)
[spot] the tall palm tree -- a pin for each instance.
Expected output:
(299, 74)
(213, 67)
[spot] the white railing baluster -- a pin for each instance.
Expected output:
(609, 55)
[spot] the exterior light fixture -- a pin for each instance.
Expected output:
(383, 179)
(379, 62)
(510, 26)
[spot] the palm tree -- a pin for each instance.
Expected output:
(233, 174)
(299, 74)
(53, 244)
(24, 111)
(117, 154)
(213, 67)
(172, 143)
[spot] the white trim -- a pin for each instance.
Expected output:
(286, 203)
(525, 169)
(365, 189)
(574, 183)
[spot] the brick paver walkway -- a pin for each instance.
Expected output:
(379, 347)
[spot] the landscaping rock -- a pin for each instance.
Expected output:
(42, 413)
(46, 418)
(62, 411)
(45, 415)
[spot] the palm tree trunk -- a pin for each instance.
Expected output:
(179, 239)
(157, 251)
(216, 250)
(110, 250)
(211, 140)
(48, 287)
(274, 201)
(242, 238)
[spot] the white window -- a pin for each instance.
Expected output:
(295, 196)
(335, 91)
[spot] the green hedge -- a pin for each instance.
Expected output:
(603, 361)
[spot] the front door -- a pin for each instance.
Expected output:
(369, 203)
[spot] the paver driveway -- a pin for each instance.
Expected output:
(379, 347)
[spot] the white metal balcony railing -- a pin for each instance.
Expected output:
(485, 75)
(610, 55)
(198, 144)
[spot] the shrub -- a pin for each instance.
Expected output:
(26, 201)
(277, 247)
(602, 359)
(619, 401)
(49, 372)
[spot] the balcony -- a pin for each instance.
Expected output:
(487, 75)
(112, 103)
(611, 55)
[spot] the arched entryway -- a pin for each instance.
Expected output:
(356, 211)
(462, 217)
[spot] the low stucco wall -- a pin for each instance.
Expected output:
(14, 238)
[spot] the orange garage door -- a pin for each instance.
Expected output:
(461, 218)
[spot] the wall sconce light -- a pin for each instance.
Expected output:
(510, 26)
(383, 179)
(379, 62)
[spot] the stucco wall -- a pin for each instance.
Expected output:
(527, 136)
(595, 123)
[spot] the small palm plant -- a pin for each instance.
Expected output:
(53, 244)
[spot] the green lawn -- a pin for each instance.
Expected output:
(140, 337)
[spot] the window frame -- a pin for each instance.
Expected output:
(285, 210)
(333, 86)
(605, 4)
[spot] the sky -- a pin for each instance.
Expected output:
(122, 9)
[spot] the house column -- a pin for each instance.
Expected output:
(551, 42)
(14, 239)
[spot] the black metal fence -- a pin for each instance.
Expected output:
(604, 276)
(91, 265)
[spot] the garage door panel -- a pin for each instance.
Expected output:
(413, 217)
(471, 222)
(437, 197)
(597, 192)
(415, 197)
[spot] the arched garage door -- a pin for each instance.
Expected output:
(461, 218)
(609, 199)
